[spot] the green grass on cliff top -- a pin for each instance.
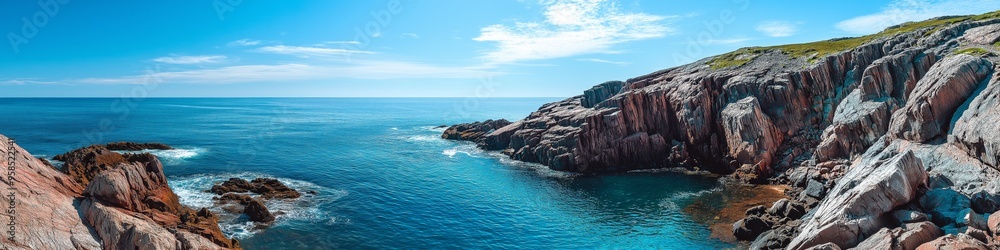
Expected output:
(972, 51)
(815, 50)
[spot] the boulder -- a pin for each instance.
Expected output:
(993, 224)
(815, 189)
(932, 104)
(969, 218)
(257, 212)
(757, 210)
(908, 237)
(909, 216)
(786, 208)
(915, 234)
(954, 242)
(985, 202)
(750, 227)
(853, 209)
(825, 246)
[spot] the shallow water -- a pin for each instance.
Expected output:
(383, 177)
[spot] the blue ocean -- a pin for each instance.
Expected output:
(382, 176)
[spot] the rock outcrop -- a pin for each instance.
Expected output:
(888, 140)
(751, 135)
(132, 146)
(235, 190)
(104, 200)
(268, 188)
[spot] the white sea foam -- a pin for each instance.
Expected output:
(671, 202)
(424, 138)
(467, 149)
(171, 155)
(193, 192)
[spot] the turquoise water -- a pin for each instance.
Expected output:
(383, 177)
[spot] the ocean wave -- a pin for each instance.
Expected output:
(468, 150)
(171, 155)
(424, 138)
(433, 128)
(193, 192)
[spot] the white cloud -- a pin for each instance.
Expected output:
(777, 28)
(190, 59)
(244, 42)
(299, 71)
(571, 27)
(301, 51)
(901, 11)
(603, 61)
(409, 35)
(341, 42)
(23, 81)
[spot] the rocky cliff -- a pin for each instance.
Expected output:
(865, 129)
(102, 200)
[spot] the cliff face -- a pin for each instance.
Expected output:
(873, 135)
(822, 108)
(104, 200)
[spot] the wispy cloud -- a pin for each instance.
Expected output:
(571, 27)
(23, 81)
(901, 11)
(603, 61)
(341, 42)
(190, 59)
(728, 41)
(301, 51)
(777, 28)
(301, 71)
(244, 42)
(409, 35)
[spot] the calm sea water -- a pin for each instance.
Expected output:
(383, 177)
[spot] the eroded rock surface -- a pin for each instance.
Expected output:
(106, 200)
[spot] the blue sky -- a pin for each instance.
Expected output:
(400, 48)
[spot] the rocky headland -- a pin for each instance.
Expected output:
(103, 199)
(888, 141)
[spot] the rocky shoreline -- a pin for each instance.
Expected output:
(889, 141)
(103, 199)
